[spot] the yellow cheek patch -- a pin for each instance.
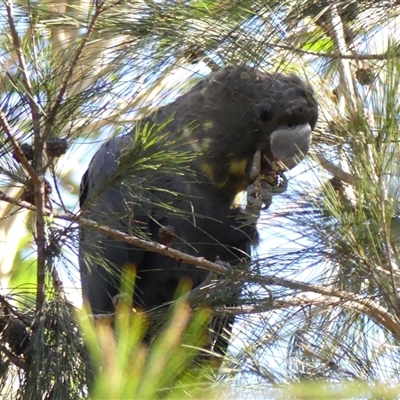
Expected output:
(235, 175)
(207, 169)
(237, 167)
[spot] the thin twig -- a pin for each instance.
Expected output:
(315, 295)
(16, 147)
(345, 75)
(57, 282)
(311, 295)
(18, 362)
(12, 309)
(329, 362)
(69, 73)
(200, 262)
(335, 170)
(351, 300)
(348, 101)
(340, 56)
(23, 67)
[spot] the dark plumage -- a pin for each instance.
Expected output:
(224, 120)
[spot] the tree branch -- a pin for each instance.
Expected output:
(37, 175)
(200, 262)
(336, 171)
(16, 147)
(345, 75)
(18, 362)
(314, 295)
(346, 299)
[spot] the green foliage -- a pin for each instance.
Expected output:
(341, 391)
(129, 368)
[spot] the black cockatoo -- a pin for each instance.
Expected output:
(223, 121)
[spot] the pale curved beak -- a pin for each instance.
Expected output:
(289, 145)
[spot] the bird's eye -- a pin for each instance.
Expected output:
(266, 115)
